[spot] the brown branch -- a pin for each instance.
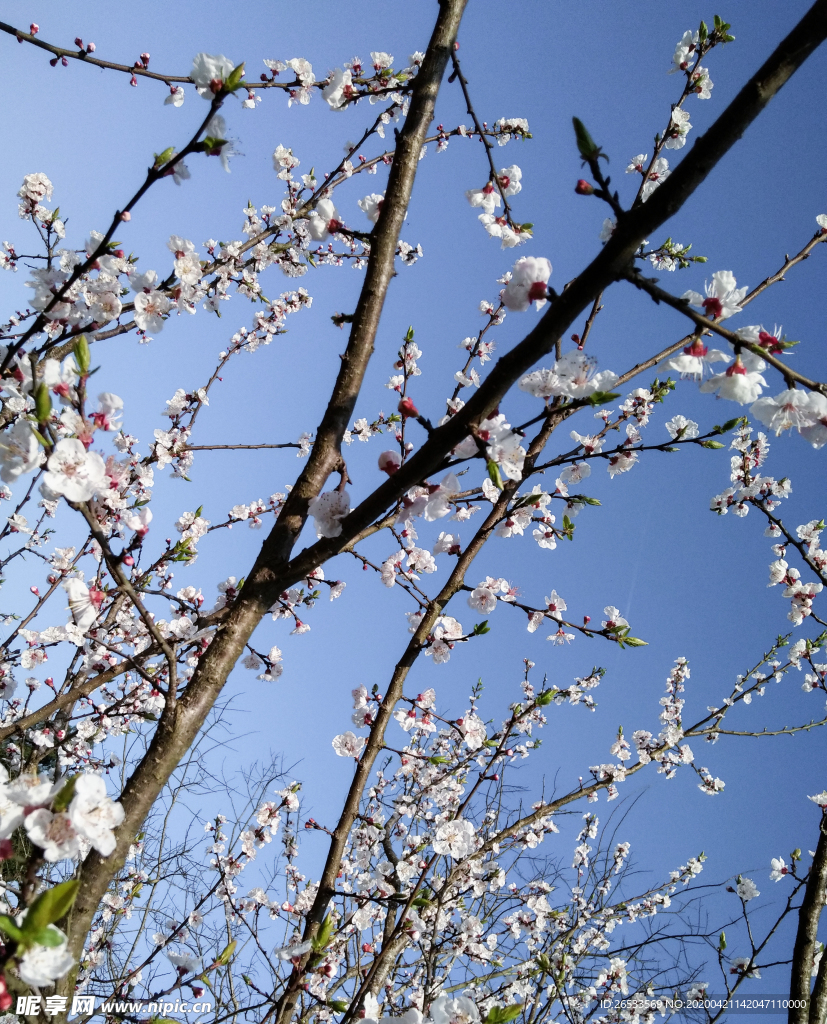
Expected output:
(805, 939)
(375, 742)
(652, 288)
(788, 730)
(177, 730)
(789, 261)
(494, 177)
(153, 175)
(87, 58)
(236, 447)
(273, 569)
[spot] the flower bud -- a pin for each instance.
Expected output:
(407, 408)
(34, 28)
(42, 403)
(81, 354)
(583, 188)
(389, 462)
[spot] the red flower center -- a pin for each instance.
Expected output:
(713, 307)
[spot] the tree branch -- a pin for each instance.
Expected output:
(805, 939)
(178, 729)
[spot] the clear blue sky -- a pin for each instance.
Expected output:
(689, 582)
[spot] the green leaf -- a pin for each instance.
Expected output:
(711, 444)
(438, 759)
(164, 157)
(729, 425)
(494, 473)
(632, 641)
(588, 148)
(50, 906)
(41, 438)
(339, 1005)
(503, 1014)
(64, 797)
(322, 936)
(49, 936)
(226, 954)
(545, 697)
(235, 80)
(481, 628)
(81, 354)
(9, 927)
(722, 941)
(42, 403)
(602, 397)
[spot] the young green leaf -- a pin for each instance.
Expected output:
(50, 906)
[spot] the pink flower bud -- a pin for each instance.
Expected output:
(78, 42)
(133, 81)
(126, 215)
(587, 619)
(90, 47)
(35, 591)
(583, 188)
(5, 997)
(407, 408)
(145, 59)
(389, 462)
(34, 28)
(128, 560)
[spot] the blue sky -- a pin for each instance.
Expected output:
(691, 583)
